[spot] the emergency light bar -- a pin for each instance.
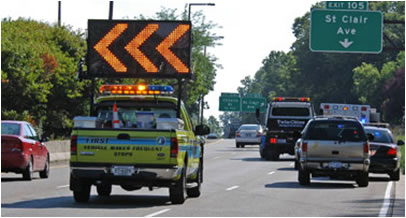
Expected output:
(139, 89)
(304, 99)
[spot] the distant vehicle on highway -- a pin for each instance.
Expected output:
(248, 134)
(385, 152)
(334, 146)
(22, 150)
(212, 136)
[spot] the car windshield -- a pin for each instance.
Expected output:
(382, 136)
(249, 128)
(290, 111)
(10, 129)
(335, 130)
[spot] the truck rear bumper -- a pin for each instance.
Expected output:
(142, 172)
(335, 165)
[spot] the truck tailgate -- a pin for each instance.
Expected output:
(334, 150)
(123, 146)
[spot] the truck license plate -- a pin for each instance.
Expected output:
(122, 170)
(335, 165)
(281, 140)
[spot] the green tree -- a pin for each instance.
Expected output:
(214, 125)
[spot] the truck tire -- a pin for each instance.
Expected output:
(261, 153)
(395, 175)
(104, 190)
(177, 193)
(296, 164)
(45, 173)
(195, 191)
(363, 180)
(303, 176)
(28, 171)
(83, 194)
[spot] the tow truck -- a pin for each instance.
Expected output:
(285, 119)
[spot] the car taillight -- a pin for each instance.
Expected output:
(73, 145)
(259, 134)
(304, 146)
(391, 152)
(237, 134)
(272, 140)
(326, 106)
(366, 148)
(174, 147)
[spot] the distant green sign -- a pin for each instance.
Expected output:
(346, 31)
(249, 104)
(230, 103)
(230, 94)
(347, 5)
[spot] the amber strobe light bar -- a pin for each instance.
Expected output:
(139, 89)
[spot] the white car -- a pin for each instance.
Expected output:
(248, 134)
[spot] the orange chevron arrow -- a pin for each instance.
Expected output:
(102, 47)
(136, 53)
(163, 48)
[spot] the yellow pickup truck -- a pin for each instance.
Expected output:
(136, 138)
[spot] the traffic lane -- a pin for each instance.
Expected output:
(253, 188)
(247, 186)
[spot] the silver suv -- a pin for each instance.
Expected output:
(334, 146)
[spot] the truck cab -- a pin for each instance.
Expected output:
(285, 119)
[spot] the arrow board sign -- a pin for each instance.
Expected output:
(346, 31)
(139, 49)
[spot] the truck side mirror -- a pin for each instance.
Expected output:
(202, 129)
(400, 142)
(371, 137)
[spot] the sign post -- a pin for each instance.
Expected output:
(346, 31)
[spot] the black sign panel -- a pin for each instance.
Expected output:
(139, 49)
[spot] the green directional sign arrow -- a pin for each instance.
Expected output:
(346, 31)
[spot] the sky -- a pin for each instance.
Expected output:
(251, 29)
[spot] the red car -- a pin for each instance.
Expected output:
(22, 151)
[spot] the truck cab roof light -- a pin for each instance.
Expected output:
(302, 99)
(139, 89)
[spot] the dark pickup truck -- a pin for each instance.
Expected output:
(285, 118)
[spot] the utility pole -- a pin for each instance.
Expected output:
(59, 13)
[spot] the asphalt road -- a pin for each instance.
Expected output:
(237, 183)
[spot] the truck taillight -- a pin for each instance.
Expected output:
(174, 147)
(73, 145)
(366, 148)
(237, 134)
(391, 152)
(259, 134)
(363, 108)
(326, 107)
(304, 146)
(272, 140)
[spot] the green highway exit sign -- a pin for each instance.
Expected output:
(346, 31)
(230, 103)
(251, 104)
(347, 5)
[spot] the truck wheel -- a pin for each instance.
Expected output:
(237, 145)
(104, 190)
(363, 180)
(45, 173)
(177, 193)
(296, 164)
(395, 175)
(261, 153)
(27, 173)
(304, 177)
(195, 191)
(83, 194)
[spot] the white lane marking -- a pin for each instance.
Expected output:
(233, 187)
(158, 213)
(62, 186)
(386, 201)
(292, 164)
(270, 173)
(216, 158)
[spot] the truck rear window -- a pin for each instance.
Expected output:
(142, 116)
(293, 111)
(334, 130)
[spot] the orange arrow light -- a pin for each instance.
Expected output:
(164, 46)
(105, 42)
(138, 40)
